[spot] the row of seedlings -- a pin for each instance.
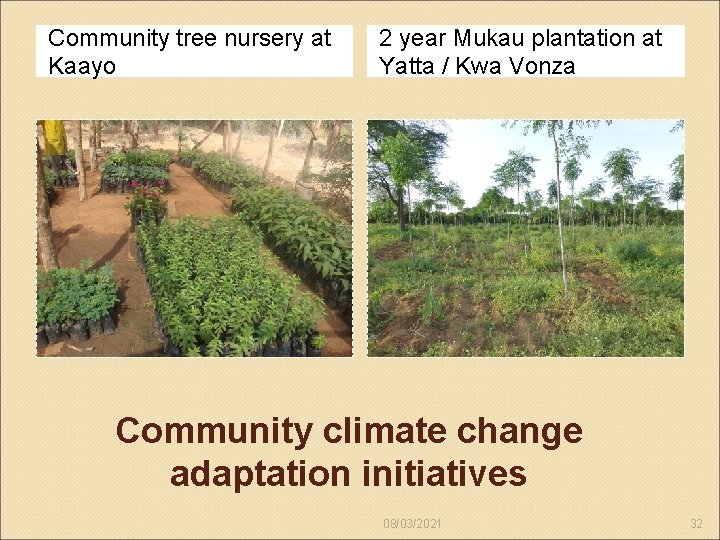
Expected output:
(75, 303)
(124, 172)
(220, 172)
(314, 245)
(217, 294)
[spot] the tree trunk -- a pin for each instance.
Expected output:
(400, 210)
(46, 244)
(412, 253)
(93, 146)
(270, 154)
(236, 153)
(333, 138)
(279, 129)
(311, 146)
(130, 130)
(559, 213)
(156, 128)
(180, 136)
(207, 135)
(226, 137)
(432, 227)
(77, 141)
(98, 134)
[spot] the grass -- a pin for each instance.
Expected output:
(473, 293)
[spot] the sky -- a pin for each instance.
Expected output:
(476, 147)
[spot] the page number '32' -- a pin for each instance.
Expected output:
(696, 523)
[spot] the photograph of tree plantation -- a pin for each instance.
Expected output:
(526, 238)
(194, 238)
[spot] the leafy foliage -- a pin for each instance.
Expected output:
(69, 294)
(146, 201)
(155, 158)
(141, 174)
(215, 290)
(222, 171)
(301, 229)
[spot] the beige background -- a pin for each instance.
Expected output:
(648, 463)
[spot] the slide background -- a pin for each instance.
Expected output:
(648, 463)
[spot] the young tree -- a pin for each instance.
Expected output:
(647, 189)
(574, 148)
(555, 130)
(77, 142)
(516, 172)
(592, 193)
(46, 244)
(619, 165)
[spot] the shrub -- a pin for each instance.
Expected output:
(631, 251)
(70, 294)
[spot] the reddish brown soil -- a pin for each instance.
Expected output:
(98, 229)
(605, 285)
(465, 328)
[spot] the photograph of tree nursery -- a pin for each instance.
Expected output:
(526, 238)
(194, 238)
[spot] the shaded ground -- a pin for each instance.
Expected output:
(98, 229)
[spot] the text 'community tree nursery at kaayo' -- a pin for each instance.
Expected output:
(194, 238)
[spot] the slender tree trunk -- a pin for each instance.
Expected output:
(236, 153)
(559, 213)
(207, 135)
(98, 134)
(77, 141)
(412, 253)
(180, 136)
(93, 146)
(226, 137)
(280, 128)
(156, 128)
(271, 152)
(432, 227)
(313, 128)
(46, 244)
(401, 210)
(677, 211)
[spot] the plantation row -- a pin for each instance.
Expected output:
(316, 246)
(124, 172)
(217, 294)
(220, 172)
(75, 302)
